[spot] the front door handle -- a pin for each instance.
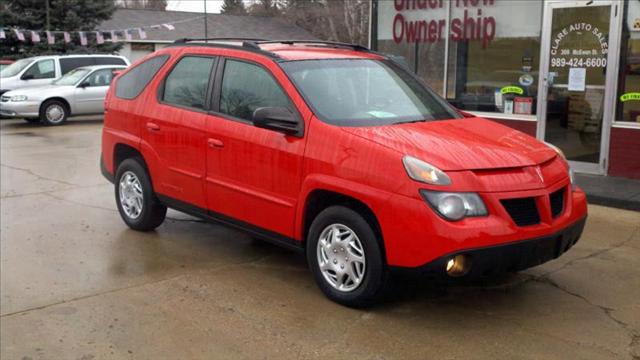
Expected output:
(153, 126)
(215, 143)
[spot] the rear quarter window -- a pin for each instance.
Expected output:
(131, 84)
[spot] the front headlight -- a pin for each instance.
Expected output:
(561, 154)
(455, 206)
(17, 98)
(557, 149)
(424, 172)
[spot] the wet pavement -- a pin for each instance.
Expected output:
(77, 284)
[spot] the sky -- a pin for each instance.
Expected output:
(213, 6)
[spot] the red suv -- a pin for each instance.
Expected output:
(337, 151)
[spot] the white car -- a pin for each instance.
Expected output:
(80, 92)
(42, 70)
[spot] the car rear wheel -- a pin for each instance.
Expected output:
(345, 257)
(53, 112)
(137, 204)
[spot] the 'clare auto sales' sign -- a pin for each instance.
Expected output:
(411, 21)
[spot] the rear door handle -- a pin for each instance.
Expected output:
(153, 126)
(215, 143)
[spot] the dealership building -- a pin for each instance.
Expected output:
(567, 72)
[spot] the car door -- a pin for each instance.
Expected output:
(174, 128)
(41, 72)
(253, 174)
(89, 94)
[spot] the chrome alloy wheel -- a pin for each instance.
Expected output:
(341, 257)
(131, 197)
(54, 113)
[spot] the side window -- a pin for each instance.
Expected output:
(100, 77)
(68, 64)
(131, 84)
(43, 69)
(107, 60)
(187, 83)
(86, 61)
(246, 87)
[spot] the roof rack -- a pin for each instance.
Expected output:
(253, 44)
(315, 42)
(246, 43)
(238, 39)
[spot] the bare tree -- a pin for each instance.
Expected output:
(233, 7)
(142, 4)
(336, 20)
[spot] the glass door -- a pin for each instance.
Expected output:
(578, 70)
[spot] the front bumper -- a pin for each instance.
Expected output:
(419, 236)
(20, 109)
(519, 255)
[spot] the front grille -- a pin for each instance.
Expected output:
(523, 211)
(557, 203)
(4, 98)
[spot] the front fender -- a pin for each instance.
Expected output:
(372, 197)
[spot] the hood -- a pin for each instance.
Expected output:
(461, 144)
(41, 91)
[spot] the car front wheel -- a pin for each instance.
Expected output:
(345, 257)
(137, 204)
(53, 112)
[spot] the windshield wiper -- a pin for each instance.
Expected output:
(409, 122)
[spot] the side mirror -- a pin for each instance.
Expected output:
(84, 84)
(27, 77)
(277, 118)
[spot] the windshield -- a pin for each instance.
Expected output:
(15, 68)
(72, 77)
(365, 92)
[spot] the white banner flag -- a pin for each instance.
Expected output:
(127, 35)
(142, 33)
(83, 38)
(169, 26)
(99, 37)
(114, 36)
(19, 34)
(2, 35)
(67, 37)
(50, 37)
(35, 37)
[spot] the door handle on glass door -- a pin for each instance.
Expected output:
(153, 127)
(215, 143)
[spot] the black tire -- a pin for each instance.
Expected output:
(48, 105)
(373, 283)
(153, 212)
(32, 120)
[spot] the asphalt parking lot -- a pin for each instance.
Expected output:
(76, 283)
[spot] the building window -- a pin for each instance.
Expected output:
(491, 63)
(628, 96)
(142, 47)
